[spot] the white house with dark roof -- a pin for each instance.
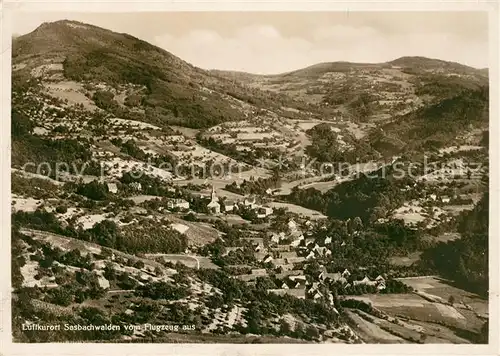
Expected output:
(250, 202)
(112, 188)
(277, 237)
(264, 211)
(229, 206)
(298, 278)
(346, 273)
(178, 204)
(317, 295)
(268, 259)
(320, 251)
(365, 281)
(308, 241)
(300, 285)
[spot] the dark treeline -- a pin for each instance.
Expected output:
(465, 261)
(369, 197)
(255, 186)
(29, 148)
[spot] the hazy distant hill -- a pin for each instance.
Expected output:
(412, 99)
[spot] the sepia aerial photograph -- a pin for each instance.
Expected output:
(250, 177)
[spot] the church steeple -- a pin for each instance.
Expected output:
(214, 196)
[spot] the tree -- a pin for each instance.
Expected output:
(139, 264)
(61, 296)
(357, 224)
(158, 271)
(285, 327)
(312, 332)
(105, 233)
(423, 337)
(483, 334)
(21, 125)
(264, 283)
(93, 190)
(451, 300)
(61, 209)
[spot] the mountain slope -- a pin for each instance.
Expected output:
(435, 125)
(407, 103)
(175, 92)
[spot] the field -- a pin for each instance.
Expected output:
(135, 124)
(405, 260)
(429, 309)
(88, 221)
(71, 91)
(138, 199)
(190, 261)
(464, 301)
(198, 234)
(370, 332)
(219, 182)
(67, 243)
(422, 317)
(116, 166)
(411, 331)
(25, 204)
(312, 214)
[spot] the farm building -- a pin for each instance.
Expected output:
(178, 204)
(112, 188)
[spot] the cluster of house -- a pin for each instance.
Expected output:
(285, 257)
(295, 238)
(295, 283)
(285, 249)
(453, 199)
(180, 204)
(113, 187)
(230, 206)
(444, 199)
(214, 206)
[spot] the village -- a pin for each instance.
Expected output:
(337, 203)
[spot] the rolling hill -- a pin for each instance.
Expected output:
(407, 103)
(174, 91)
